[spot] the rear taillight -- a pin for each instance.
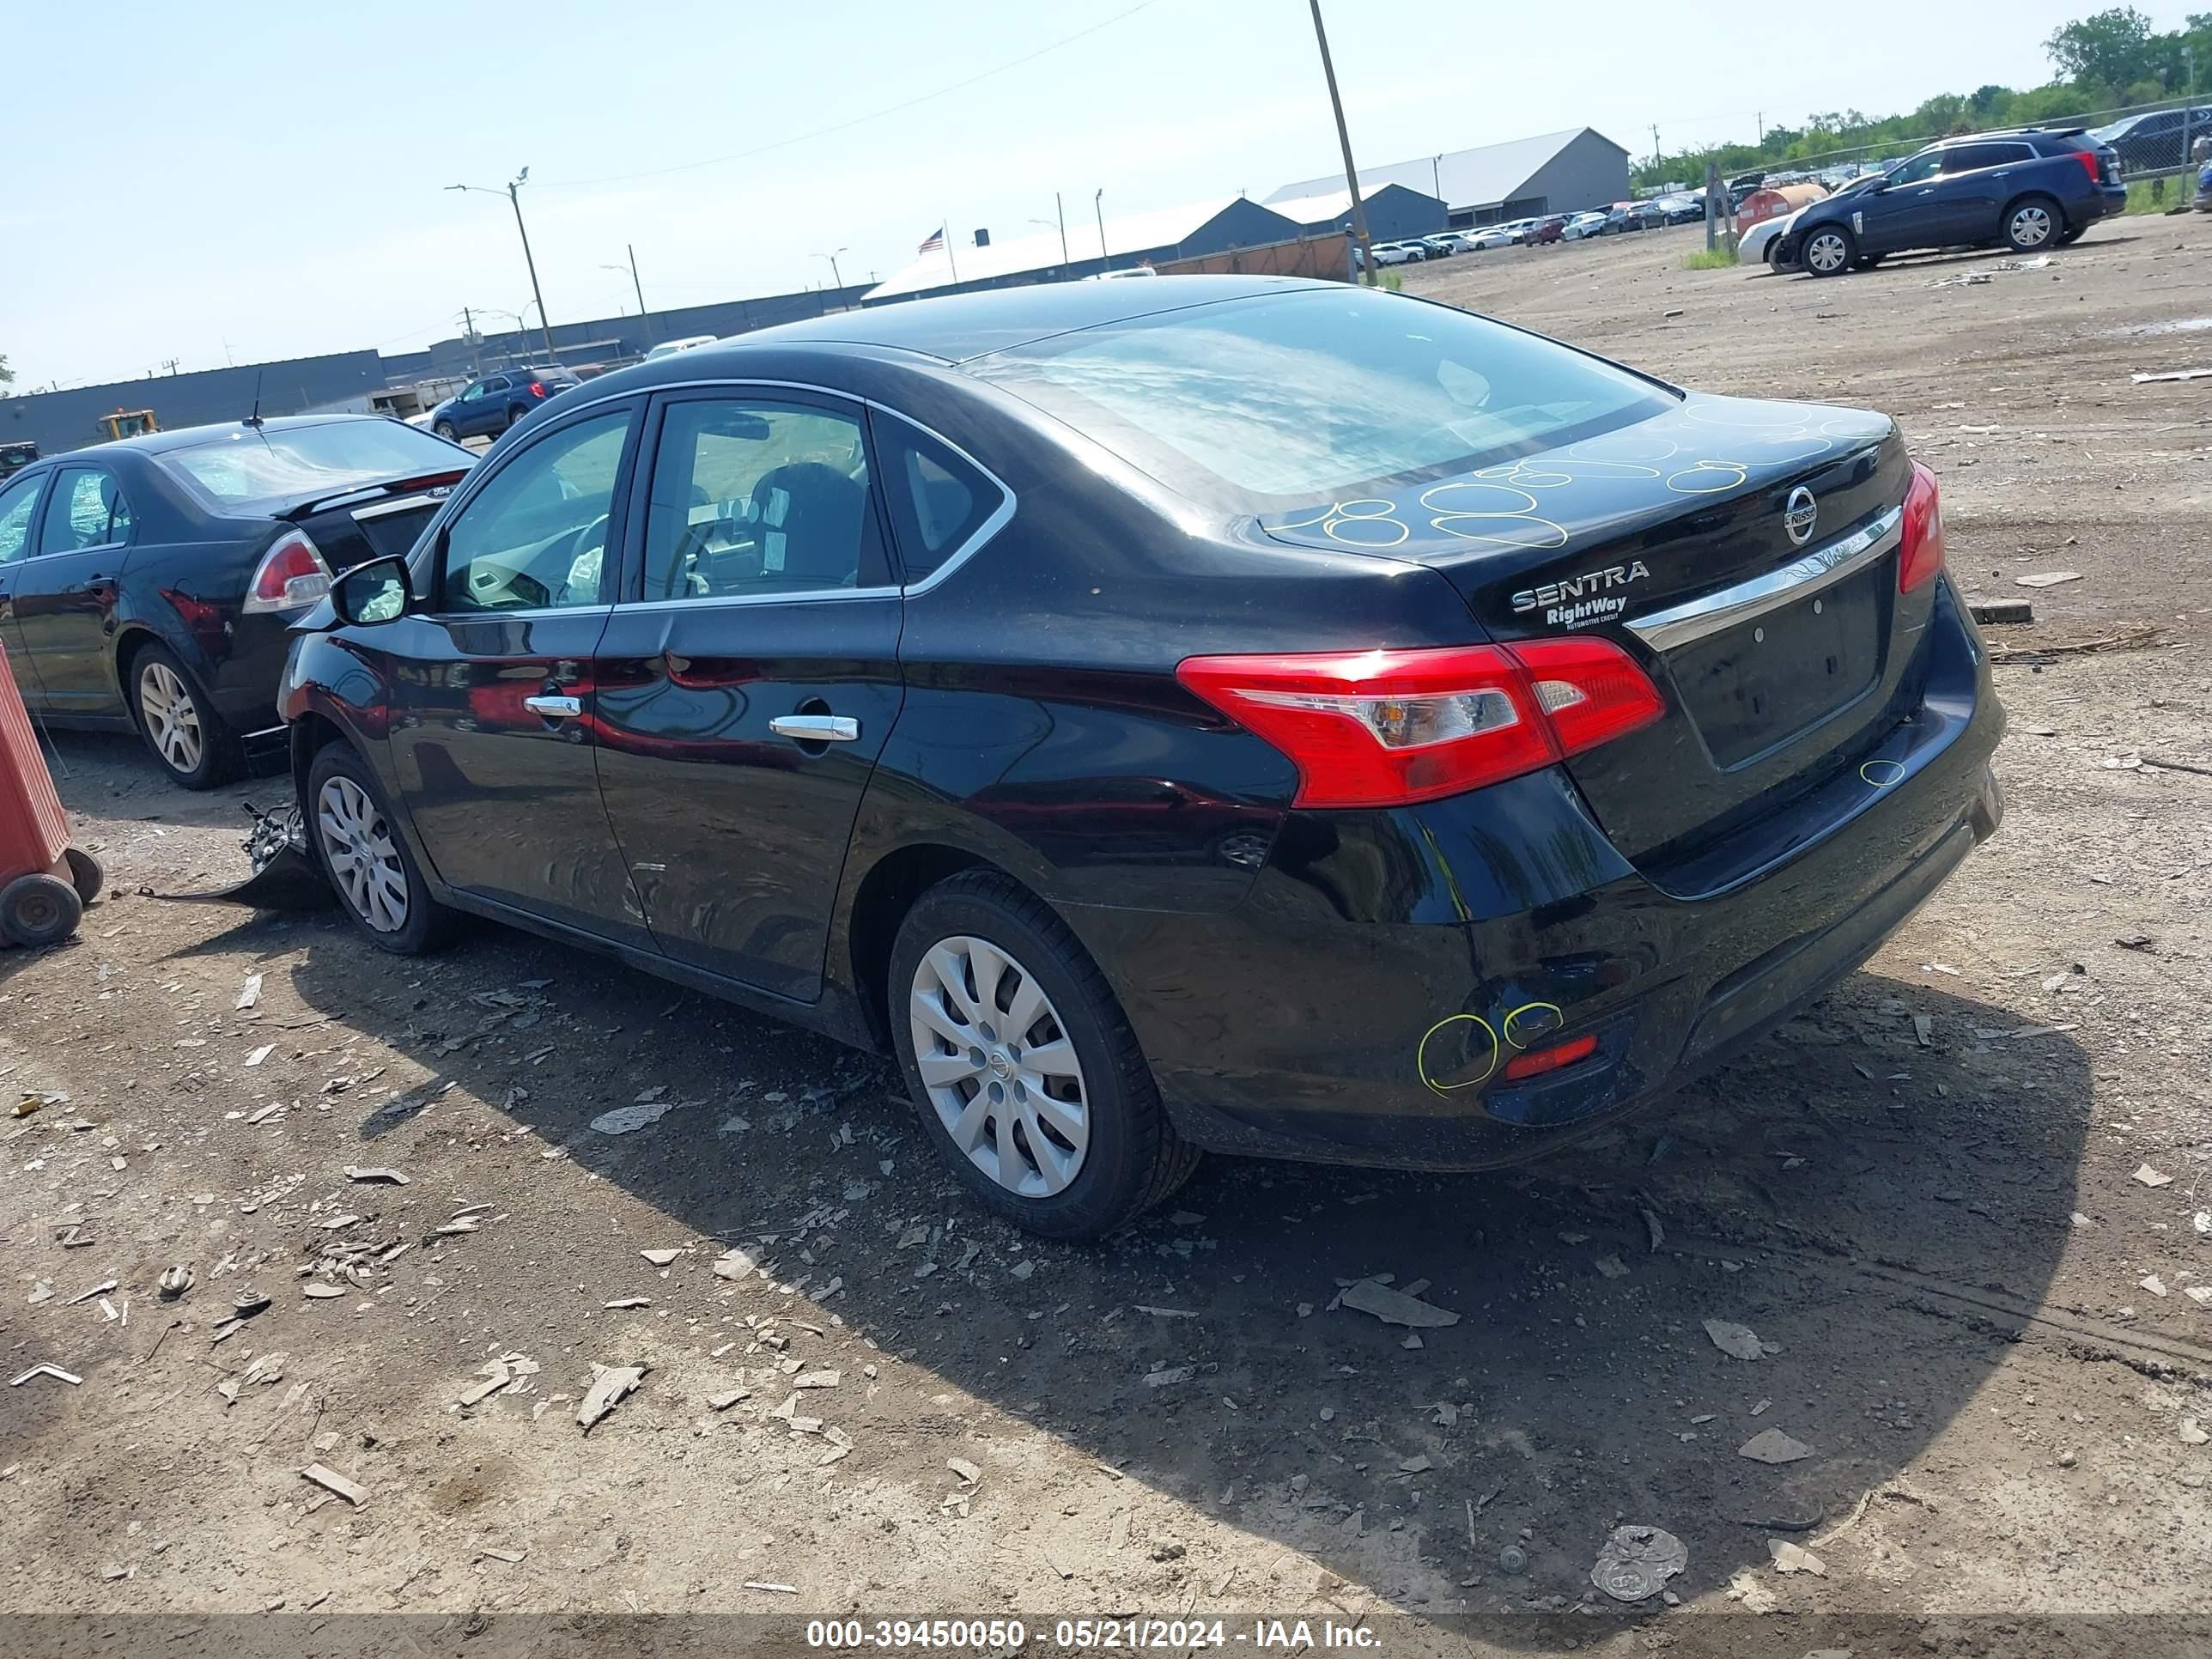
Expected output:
(291, 575)
(537, 388)
(2088, 158)
(1920, 556)
(1388, 728)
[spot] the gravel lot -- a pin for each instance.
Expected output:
(1967, 1247)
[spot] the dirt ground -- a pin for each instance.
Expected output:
(1962, 1203)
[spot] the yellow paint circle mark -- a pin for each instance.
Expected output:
(1421, 1055)
(1882, 773)
(1530, 1008)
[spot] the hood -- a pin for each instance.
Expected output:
(1528, 510)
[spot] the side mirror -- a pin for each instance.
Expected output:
(374, 593)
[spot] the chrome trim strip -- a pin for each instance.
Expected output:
(405, 504)
(816, 728)
(722, 601)
(1802, 578)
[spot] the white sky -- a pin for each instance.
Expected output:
(254, 181)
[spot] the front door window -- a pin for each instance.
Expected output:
(535, 539)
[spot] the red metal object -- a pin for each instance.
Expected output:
(34, 830)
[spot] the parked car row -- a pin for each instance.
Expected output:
(1543, 229)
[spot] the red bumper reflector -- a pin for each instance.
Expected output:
(1537, 1061)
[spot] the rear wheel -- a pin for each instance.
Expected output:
(2031, 223)
(1869, 261)
(1829, 250)
(368, 863)
(514, 415)
(1027, 1077)
(86, 874)
(2067, 237)
(39, 909)
(193, 743)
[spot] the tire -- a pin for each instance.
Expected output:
(1129, 1158)
(86, 874)
(514, 415)
(195, 744)
(377, 881)
(445, 429)
(1871, 261)
(1828, 251)
(39, 909)
(2072, 235)
(2032, 223)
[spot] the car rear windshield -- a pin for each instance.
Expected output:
(248, 468)
(1262, 403)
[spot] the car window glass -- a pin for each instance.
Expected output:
(938, 500)
(498, 383)
(1970, 158)
(1919, 169)
(474, 389)
(535, 538)
(15, 504)
(87, 510)
(757, 498)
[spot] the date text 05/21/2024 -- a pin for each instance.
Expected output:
(1283, 1635)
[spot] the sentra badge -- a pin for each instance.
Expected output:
(1574, 600)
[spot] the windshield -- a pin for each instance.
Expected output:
(1255, 404)
(248, 467)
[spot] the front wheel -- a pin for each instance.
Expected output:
(86, 874)
(366, 861)
(193, 743)
(1828, 251)
(445, 429)
(39, 909)
(2034, 222)
(1028, 1079)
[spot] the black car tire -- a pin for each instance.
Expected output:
(1869, 261)
(2032, 223)
(39, 909)
(196, 746)
(86, 874)
(1828, 251)
(514, 415)
(2071, 235)
(1132, 1159)
(426, 924)
(445, 429)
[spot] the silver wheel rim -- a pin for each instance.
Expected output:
(2030, 228)
(1825, 253)
(998, 1067)
(173, 720)
(362, 854)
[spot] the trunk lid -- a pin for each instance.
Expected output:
(1741, 551)
(372, 521)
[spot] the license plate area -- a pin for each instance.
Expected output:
(1757, 685)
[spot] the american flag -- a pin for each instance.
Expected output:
(932, 242)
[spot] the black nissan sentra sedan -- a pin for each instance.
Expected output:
(1211, 712)
(147, 585)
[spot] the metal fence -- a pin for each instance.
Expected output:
(1327, 255)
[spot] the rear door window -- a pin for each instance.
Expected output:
(16, 502)
(1973, 158)
(87, 510)
(939, 501)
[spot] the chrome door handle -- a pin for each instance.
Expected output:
(816, 728)
(555, 708)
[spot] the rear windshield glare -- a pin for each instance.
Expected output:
(247, 467)
(1257, 406)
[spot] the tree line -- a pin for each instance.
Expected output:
(2108, 61)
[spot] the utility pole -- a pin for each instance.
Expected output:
(1762, 127)
(644, 317)
(1097, 206)
(1060, 212)
(514, 199)
(475, 345)
(1654, 148)
(1344, 140)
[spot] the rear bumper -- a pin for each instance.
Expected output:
(1363, 1004)
(2110, 201)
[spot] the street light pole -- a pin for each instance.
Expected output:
(1097, 197)
(1344, 140)
(514, 199)
(644, 317)
(1060, 213)
(834, 275)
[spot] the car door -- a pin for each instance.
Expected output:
(487, 412)
(1901, 214)
(1977, 181)
(491, 681)
(65, 592)
(750, 678)
(19, 502)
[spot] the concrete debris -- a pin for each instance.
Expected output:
(2200, 1294)
(321, 1290)
(337, 1222)
(2151, 1177)
(2202, 1221)
(1737, 1341)
(1924, 1030)
(1168, 1375)
(2152, 1283)
(250, 992)
(625, 1119)
(735, 1264)
(101, 1289)
(1744, 1588)
(1021, 1270)
(1773, 1446)
(356, 1172)
(1795, 1557)
(56, 1371)
(1166, 1313)
(2192, 1432)
(2047, 578)
(763, 1585)
(610, 1384)
(817, 1379)
(2172, 374)
(261, 1054)
(629, 1302)
(1393, 1307)
(968, 1474)
(1611, 1267)
(1656, 1233)
(331, 1481)
(1635, 1563)
(1418, 1464)
(511, 1556)
(660, 1258)
(458, 1226)
(496, 1376)
(723, 1402)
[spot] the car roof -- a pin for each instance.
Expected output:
(191, 437)
(960, 326)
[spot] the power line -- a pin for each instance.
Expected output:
(856, 120)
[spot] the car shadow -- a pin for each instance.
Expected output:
(1202, 1350)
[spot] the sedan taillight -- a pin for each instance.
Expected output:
(292, 575)
(1921, 554)
(1388, 728)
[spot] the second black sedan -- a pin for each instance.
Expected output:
(148, 584)
(1213, 712)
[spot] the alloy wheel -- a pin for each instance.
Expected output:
(2031, 225)
(1825, 253)
(999, 1066)
(173, 719)
(363, 855)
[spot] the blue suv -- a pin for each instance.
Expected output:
(487, 407)
(2029, 188)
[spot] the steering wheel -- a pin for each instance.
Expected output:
(591, 537)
